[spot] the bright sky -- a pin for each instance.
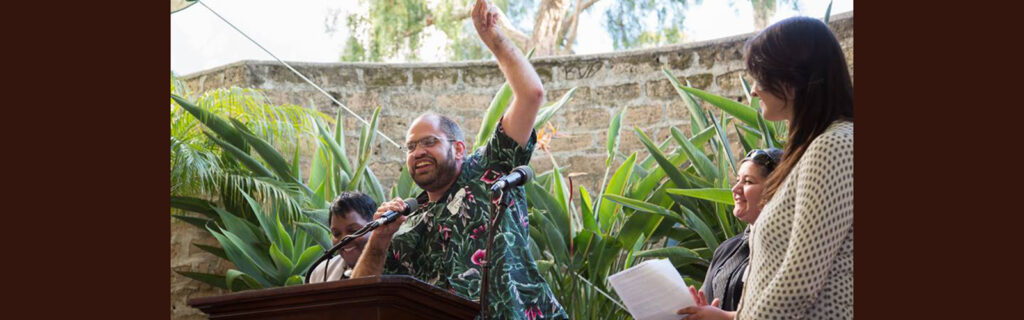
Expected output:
(295, 30)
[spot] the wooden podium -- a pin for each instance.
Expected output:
(384, 297)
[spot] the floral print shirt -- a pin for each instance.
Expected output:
(443, 243)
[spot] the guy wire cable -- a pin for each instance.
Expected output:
(297, 73)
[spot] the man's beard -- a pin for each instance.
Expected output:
(444, 173)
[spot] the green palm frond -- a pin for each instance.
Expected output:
(279, 125)
(230, 188)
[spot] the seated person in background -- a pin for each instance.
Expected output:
(349, 212)
(724, 280)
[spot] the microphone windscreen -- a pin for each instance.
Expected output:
(527, 173)
(410, 205)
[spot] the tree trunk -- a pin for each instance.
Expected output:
(545, 29)
(763, 11)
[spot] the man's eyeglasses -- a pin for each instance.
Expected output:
(425, 142)
(761, 157)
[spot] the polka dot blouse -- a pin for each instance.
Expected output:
(801, 264)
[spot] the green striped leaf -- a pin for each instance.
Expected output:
(719, 195)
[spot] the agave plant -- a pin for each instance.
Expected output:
(295, 229)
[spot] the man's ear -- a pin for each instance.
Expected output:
(460, 150)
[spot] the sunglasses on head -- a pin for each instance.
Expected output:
(761, 157)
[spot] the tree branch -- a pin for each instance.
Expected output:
(572, 23)
(518, 37)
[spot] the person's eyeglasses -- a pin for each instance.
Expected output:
(761, 157)
(425, 142)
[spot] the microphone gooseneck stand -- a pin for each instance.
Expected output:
(498, 199)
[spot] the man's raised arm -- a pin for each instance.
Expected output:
(528, 92)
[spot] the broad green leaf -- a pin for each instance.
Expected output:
(248, 282)
(207, 278)
(644, 207)
(561, 220)
(745, 140)
(828, 12)
(219, 252)
(373, 187)
(718, 195)
(285, 243)
(241, 260)
(544, 114)
(678, 255)
(493, 115)
(746, 89)
(365, 145)
(556, 241)
(612, 145)
(494, 112)
(198, 222)
(589, 223)
(266, 151)
(698, 225)
(636, 247)
(293, 280)
(296, 171)
(258, 259)
(696, 111)
(244, 229)
(281, 261)
(215, 123)
(257, 169)
(337, 150)
(769, 139)
(319, 233)
(617, 186)
(306, 260)
(194, 205)
(269, 228)
(664, 163)
(740, 111)
(701, 162)
(720, 128)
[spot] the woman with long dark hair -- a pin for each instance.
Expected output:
(801, 263)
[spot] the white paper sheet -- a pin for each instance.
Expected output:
(652, 290)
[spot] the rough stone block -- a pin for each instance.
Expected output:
(720, 52)
(633, 65)
(435, 78)
(544, 71)
(680, 60)
(582, 97)
(586, 118)
(660, 89)
(410, 104)
(340, 77)
(385, 77)
(564, 141)
(463, 102)
(729, 83)
(482, 76)
(678, 110)
(610, 94)
(581, 69)
(699, 81)
(643, 116)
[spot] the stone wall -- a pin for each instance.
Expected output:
(463, 90)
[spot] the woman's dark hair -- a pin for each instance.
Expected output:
(352, 200)
(801, 54)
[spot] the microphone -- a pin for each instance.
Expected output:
(388, 217)
(519, 176)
